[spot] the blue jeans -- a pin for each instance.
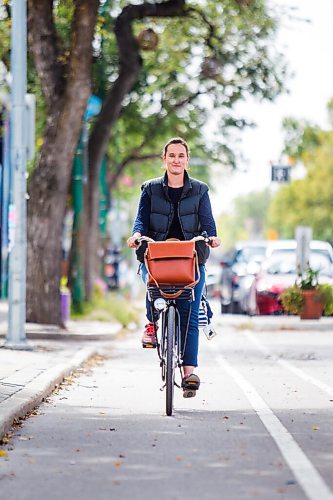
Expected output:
(190, 357)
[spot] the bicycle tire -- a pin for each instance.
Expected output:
(170, 360)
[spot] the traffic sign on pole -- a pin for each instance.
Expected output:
(280, 173)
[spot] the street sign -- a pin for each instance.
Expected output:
(280, 173)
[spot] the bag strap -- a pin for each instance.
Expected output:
(176, 294)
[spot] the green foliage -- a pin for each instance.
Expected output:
(292, 299)
(300, 137)
(327, 297)
(308, 280)
(173, 96)
(308, 201)
(247, 220)
(107, 307)
(5, 27)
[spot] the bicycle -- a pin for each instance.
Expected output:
(170, 347)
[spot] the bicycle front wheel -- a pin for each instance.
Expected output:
(170, 359)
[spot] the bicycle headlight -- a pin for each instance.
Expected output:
(160, 304)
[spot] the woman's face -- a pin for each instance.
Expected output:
(176, 159)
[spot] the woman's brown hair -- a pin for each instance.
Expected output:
(176, 140)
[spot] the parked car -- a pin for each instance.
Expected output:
(273, 247)
(212, 281)
(319, 246)
(278, 272)
(237, 264)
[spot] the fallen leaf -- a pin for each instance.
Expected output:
(3, 453)
(315, 428)
(118, 464)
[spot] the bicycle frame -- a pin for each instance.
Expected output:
(170, 345)
(170, 360)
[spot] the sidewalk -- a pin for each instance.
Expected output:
(275, 323)
(29, 376)
(270, 323)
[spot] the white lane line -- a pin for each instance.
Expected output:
(297, 371)
(307, 476)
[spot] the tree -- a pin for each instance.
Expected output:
(224, 53)
(64, 74)
(229, 61)
(306, 201)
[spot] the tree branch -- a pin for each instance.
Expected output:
(44, 46)
(130, 159)
(130, 64)
(134, 155)
(79, 64)
(211, 28)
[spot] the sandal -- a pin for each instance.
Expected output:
(190, 385)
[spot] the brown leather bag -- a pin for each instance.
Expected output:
(172, 262)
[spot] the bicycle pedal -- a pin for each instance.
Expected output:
(149, 346)
(189, 393)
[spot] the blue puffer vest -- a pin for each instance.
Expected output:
(162, 210)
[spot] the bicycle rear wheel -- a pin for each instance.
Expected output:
(170, 359)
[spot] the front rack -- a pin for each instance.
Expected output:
(154, 292)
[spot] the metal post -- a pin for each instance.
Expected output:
(16, 338)
(76, 278)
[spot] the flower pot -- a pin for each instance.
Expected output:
(313, 306)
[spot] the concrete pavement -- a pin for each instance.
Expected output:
(28, 377)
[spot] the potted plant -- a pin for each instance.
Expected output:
(307, 297)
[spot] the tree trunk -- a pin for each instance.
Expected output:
(130, 64)
(66, 91)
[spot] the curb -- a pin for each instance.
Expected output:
(283, 327)
(52, 332)
(33, 393)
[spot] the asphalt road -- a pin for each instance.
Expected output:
(259, 428)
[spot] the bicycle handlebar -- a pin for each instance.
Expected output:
(202, 237)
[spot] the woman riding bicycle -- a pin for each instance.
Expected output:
(177, 206)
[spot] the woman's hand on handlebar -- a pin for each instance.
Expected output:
(214, 241)
(132, 240)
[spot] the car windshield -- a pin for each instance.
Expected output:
(250, 254)
(314, 251)
(285, 263)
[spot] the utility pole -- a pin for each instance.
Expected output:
(16, 337)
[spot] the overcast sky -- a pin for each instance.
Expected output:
(308, 48)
